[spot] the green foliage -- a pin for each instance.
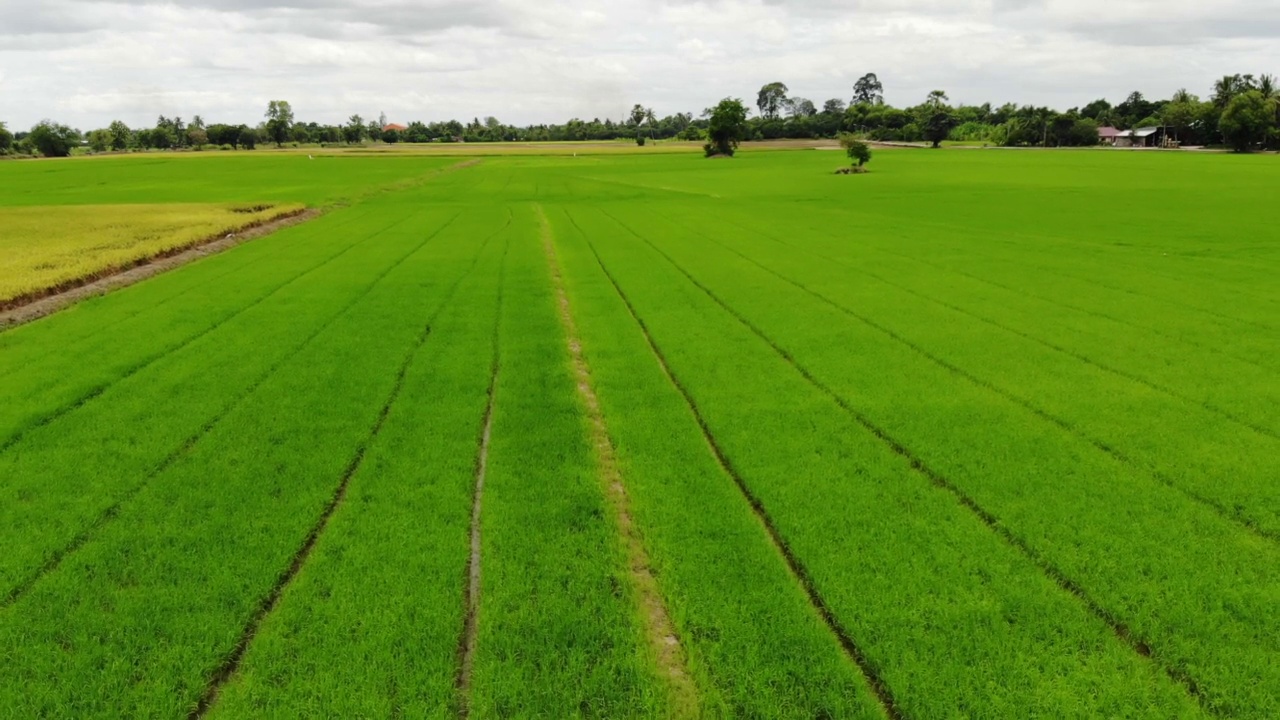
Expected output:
(858, 151)
(1247, 120)
(121, 135)
(726, 127)
(248, 138)
(771, 99)
(354, 131)
(868, 90)
(52, 139)
(279, 121)
(6, 139)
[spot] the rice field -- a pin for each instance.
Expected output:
(980, 434)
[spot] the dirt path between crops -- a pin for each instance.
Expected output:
(25, 309)
(659, 629)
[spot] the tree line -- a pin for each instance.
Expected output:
(1242, 112)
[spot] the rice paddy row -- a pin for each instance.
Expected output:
(1011, 457)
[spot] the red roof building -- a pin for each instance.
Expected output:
(393, 126)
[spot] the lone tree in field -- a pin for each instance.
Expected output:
(6, 139)
(858, 151)
(279, 121)
(868, 90)
(726, 127)
(771, 99)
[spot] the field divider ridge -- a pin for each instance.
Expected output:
(797, 569)
(987, 518)
(231, 663)
(1213, 505)
(185, 447)
(660, 631)
(147, 361)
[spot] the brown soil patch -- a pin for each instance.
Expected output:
(659, 630)
(37, 305)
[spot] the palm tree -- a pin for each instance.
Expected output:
(650, 119)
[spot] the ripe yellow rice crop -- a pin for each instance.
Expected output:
(44, 247)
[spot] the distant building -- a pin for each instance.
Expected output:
(1108, 135)
(394, 126)
(1152, 137)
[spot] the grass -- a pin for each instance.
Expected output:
(971, 435)
(44, 248)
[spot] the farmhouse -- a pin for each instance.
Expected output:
(1142, 137)
(1107, 135)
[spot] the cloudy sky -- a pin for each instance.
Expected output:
(86, 62)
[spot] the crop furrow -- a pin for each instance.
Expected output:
(1157, 387)
(1219, 508)
(185, 447)
(850, 647)
(231, 663)
(1121, 630)
(149, 360)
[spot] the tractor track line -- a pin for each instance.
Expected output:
(1217, 508)
(987, 518)
(468, 641)
(146, 362)
(852, 651)
(660, 631)
(110, 513)
(231, 663)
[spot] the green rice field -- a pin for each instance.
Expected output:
(979, 434)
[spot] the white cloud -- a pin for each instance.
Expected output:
(86, 62)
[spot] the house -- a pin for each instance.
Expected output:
(1152, 137)
(1107, 135)
(394, 126)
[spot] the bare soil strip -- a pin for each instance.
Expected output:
(33, 306)
(659, 630)
(1122, 631)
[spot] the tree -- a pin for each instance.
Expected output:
(1228, 87)
(120, 134)
(834, 106)
(858, 151)
(279, 121)
(99, 140)
(353, 132)
(197, 137)
(868, 90)
(1247, 120)
(726, 127)
(6, 139)
(52, 139)
(1180, 112)
(248, 137)
(802, 107)
(771, 99)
